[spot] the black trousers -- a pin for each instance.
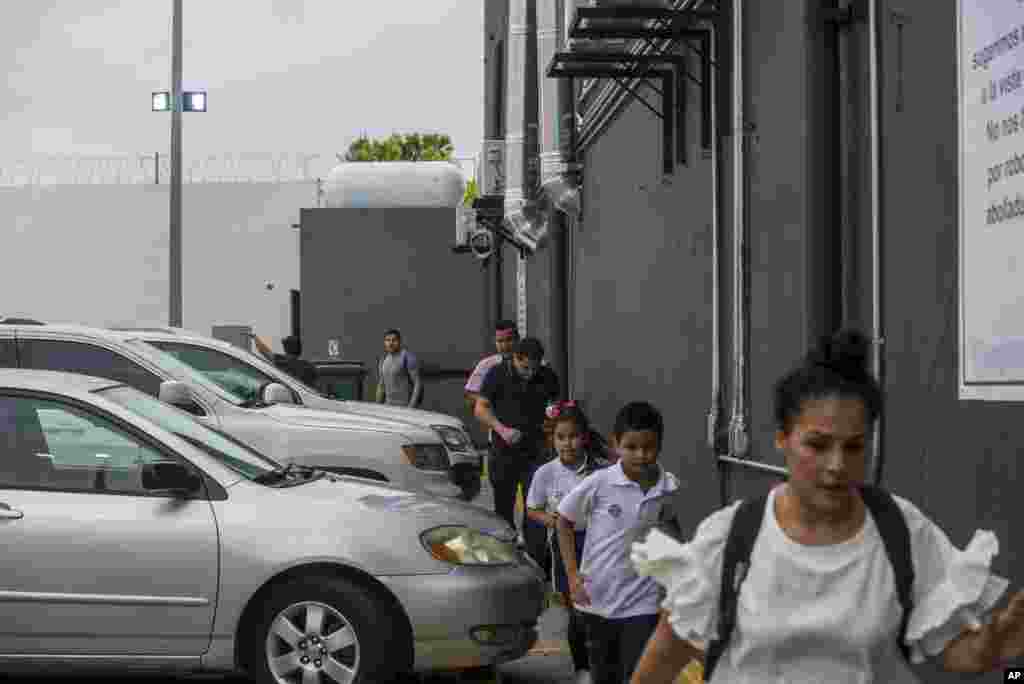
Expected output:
(508, 467)
(615, 646)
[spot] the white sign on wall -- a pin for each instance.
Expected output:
(991, 180)
(333, 348)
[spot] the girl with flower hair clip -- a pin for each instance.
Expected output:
(576, 454)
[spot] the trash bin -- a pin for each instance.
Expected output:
(341, 379)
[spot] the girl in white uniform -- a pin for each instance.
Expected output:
(819, 602)
(569, 435)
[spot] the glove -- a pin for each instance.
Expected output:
(509, 435)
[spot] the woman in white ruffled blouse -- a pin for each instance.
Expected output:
(819, 602)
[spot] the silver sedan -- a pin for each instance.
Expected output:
(136, 538)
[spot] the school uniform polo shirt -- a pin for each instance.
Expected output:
(551, 483)
(519, 403)
(617, 512)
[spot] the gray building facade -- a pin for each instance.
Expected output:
(848, 180)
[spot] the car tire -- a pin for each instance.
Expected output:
(322, 624)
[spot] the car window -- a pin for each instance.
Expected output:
(87, 359)
(228, 450)
(8, 357)
(48, 444)
(237, 377)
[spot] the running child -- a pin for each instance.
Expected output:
(617, 506)
(568, 435)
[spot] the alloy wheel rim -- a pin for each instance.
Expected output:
(312, 643)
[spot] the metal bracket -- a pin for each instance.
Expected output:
(621, 67)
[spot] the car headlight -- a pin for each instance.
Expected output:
(426, 456)
(460, 545)
(454, 438)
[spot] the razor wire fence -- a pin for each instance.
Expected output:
(155, 169)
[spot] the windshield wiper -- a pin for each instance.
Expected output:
(282, 474)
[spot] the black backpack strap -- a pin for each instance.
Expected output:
(746, 524)
(892, 527)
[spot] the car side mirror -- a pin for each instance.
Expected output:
(170, 476)
(276, 393)
(176, 394)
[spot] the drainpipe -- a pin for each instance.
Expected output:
(550, 31)
(739, 440)
(517, 123)
(495, 42)
(877, 332)
(716, 230)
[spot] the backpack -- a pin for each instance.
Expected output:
(892, 526)
(405, 367)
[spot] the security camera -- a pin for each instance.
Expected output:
(270, 285)
(481, 242)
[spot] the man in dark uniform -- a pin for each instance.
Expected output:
(511, 405)
(289, 362)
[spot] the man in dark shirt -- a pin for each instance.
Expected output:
(511, 405)
(289, 362)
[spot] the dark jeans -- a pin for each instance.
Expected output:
(616, 646)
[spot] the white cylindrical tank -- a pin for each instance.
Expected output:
(394, 184)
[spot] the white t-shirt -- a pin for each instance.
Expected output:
(550, 484)
(823, 613)
(617, 512)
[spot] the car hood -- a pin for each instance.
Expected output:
(317, 418)
(399, 413)
(372, 500)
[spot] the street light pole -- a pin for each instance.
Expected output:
(176, 110)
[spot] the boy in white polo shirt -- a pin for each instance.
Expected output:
(619, 505)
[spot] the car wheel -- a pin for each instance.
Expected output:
(322, 630)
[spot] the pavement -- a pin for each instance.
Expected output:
(549, 660)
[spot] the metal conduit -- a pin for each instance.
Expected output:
(716, 229)
(739, 440)
(874, 125)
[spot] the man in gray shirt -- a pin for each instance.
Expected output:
(399, 373)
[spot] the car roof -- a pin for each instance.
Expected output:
(52, 381)
(150, 329)
(115, 337)
(35, 329)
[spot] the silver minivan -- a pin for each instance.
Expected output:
(137, 538)
(392, 451)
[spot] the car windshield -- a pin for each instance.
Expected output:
(180, 371)
(239, 378)
(243, 378)
(229, 451)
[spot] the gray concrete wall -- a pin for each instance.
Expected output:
(642, 297)
(959, 460)
(643, 292)
(366, 270)
(98, 254)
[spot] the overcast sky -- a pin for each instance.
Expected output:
(282, 75)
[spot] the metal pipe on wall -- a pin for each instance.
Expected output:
(550, 38)
(516, 123)
(495, 34)
(739, 440)
(874, 126)
(716, 230)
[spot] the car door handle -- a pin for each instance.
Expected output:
(8, 513)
